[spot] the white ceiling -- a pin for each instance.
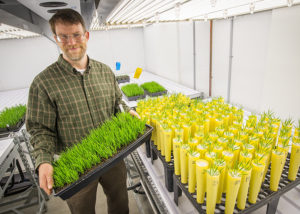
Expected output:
(138, 13)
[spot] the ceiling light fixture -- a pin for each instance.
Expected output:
(156, 18)
(252, 7)
(213, 3)
(205, 18)
(53, 4)
(290, 2)
(177, 11)
(225, 14)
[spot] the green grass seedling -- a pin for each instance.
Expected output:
(133, 89)
(11, 116)
(101, 144)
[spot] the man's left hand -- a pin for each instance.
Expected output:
(134, 113)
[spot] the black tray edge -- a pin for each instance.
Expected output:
(156, 94)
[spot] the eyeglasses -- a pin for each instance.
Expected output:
(78, 37)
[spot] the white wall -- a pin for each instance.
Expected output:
(161, 50)
(186, 58)
(21, 60)
(250, 49)
(124, 45)
(202, 41)
(282, 77)
(220, 57)
(265, 63)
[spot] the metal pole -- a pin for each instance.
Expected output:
(194, 54)
(230, 61)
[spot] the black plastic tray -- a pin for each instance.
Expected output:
(84, 180)
(156, 94)
(134, 98)
(265, 196)
(122, 79)
(168, 166)
(4, 132)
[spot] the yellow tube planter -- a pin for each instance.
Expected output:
(236, 153)
(244, 187)
(213, 136)
(254, 141)
(250, 148)
(233, 130)
(228, 157)
(277, 164)
(223, 142)
(294, 161)
(199, 136)
(176, 154)
(193, 157)
(201, 167)
(212, 124)
(193, 142)
(212, 183)
(229, 136)
(206, 126)
(220, 131)
(184, 149)
(186, 132)
(233, 185)
(153, 136)
(245, 156)
(179, 133)
(168, 143)
(218, 149)
(159, 135)
(244, 137)
(202, 149)
(193, 128)
(220, 164)
(255, 181)
(226, 121)
(210, 156)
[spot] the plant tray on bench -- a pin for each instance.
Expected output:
(122, 79)
(99, 170)
(156, 94)
(134, 98)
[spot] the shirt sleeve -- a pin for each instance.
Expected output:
(40, 124)
(119, 100)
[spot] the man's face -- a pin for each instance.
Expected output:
(72, 40)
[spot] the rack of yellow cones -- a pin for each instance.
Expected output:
(215, 148)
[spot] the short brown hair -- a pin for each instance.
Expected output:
(66, 16)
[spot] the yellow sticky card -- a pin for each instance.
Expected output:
(137, 73)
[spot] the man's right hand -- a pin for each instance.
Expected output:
(46, 177)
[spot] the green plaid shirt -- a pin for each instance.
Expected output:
(64, 105)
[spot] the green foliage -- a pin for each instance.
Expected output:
(153, 87)
(133, 89)
(11, 116)
(101, 143)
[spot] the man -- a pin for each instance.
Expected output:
(67, 100)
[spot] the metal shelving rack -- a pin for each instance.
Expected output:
(265, 196)
(33, 195)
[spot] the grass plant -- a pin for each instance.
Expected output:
(133, 89)
(11, 116)
(101, 143)
(153, 87)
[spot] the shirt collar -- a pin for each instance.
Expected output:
(68, 67)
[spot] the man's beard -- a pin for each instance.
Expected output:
(75, 56)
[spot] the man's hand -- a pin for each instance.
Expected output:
(134, 113)
(46, 177)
